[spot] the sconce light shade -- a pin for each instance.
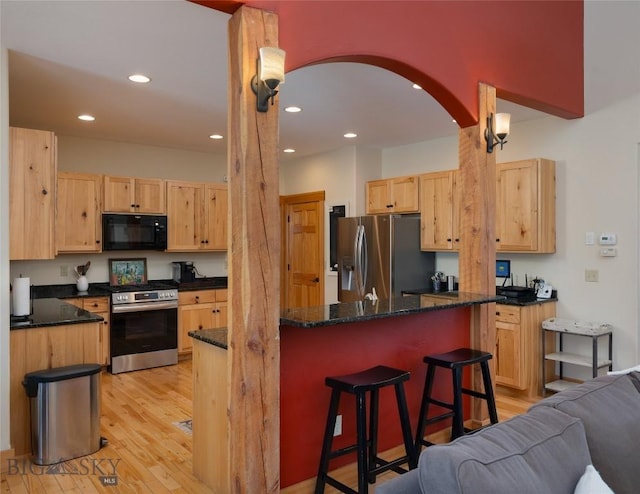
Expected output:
(501, 131)
(269, 74)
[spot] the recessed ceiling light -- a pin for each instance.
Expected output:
(142, 79)
(215, 136)
(289, 150)
(416, 86)
(293, 109)
(87, 118)
(350, 135)
(454, 120)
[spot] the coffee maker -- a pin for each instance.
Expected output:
(183, 271)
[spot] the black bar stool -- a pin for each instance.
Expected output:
(456, 361)
(369, 465)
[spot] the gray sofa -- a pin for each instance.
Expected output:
(544, 451)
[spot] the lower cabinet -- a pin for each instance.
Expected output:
(99, 306)
(519, 346)
(199, 309)
(41, 348)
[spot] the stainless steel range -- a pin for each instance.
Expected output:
(144, 327)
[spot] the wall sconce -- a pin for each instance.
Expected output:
(502, 130)
(269, 74)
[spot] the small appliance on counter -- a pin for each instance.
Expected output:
(184, 271)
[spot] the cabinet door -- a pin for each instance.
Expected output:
(32, 185)
(215, 225)
(379, 197)
(508, 355)
(78, 218)
(104, 351)
(184, 216)
(404, 194)
(119, 194)
(193, 318)
(517, 206)
(150, 196)
(437, 212)
(220, 312)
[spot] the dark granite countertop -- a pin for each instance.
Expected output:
(348, 312)
(53, 312)
(69, 291)
(522, 301)
(216, 337)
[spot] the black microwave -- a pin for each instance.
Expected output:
(134, 232)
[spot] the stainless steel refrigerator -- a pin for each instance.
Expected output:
(381, 252)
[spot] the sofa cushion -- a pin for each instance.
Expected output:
(541, 452)
(609, 407)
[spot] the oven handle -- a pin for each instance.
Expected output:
(121, 309)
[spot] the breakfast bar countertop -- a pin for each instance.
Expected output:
(349, 312)
(53, 312)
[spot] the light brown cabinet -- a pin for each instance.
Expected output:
(526, 206)
(78, 212)
(32, 187)
(36, 349)
(393, 195)
(196, 216)
(99, 306)
(134, 195)
(200, 309)
(519, 346)
(439, 215)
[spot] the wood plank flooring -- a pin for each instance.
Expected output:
(146, 452)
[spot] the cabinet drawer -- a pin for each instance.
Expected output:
(96, 304)
(221, 295)
(197, 297)
(506, 313)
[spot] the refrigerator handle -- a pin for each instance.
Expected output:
(358, 261)
(364, 252)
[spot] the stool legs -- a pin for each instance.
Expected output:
(366, 447)
(488, 389)
(457, 425)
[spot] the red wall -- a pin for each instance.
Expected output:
(531, 51)
(309, 355)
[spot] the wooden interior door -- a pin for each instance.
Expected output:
(303, 240)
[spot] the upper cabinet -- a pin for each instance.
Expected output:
(32, 184)
(526, 206)
(439, 217)
(393, 195)
(134, 195)
(78, 215)
(196, 216)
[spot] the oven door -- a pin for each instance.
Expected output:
(144, 327)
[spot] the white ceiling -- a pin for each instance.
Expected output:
(73, 57)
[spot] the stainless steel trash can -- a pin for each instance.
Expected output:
(65, 412)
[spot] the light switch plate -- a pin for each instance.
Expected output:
(608, 239)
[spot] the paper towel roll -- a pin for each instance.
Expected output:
(21, 296)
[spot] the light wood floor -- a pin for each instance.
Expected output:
(152, 454)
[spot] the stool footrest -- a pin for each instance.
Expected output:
(442, 404)
(384, 465)
(343, 451)
(438, 418)
(472, 392)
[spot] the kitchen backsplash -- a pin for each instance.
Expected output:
(52, 272)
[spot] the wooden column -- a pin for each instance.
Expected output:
(477, 231)
(254, 260)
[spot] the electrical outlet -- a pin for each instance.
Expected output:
(590, 275)
(64, 271)
(337, 430)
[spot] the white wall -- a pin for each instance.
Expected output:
(341, 174)
(77, 154)
(4, 252)
(596, 191)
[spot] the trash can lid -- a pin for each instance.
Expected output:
(32, 379)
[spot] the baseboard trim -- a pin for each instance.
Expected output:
(5, 454)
